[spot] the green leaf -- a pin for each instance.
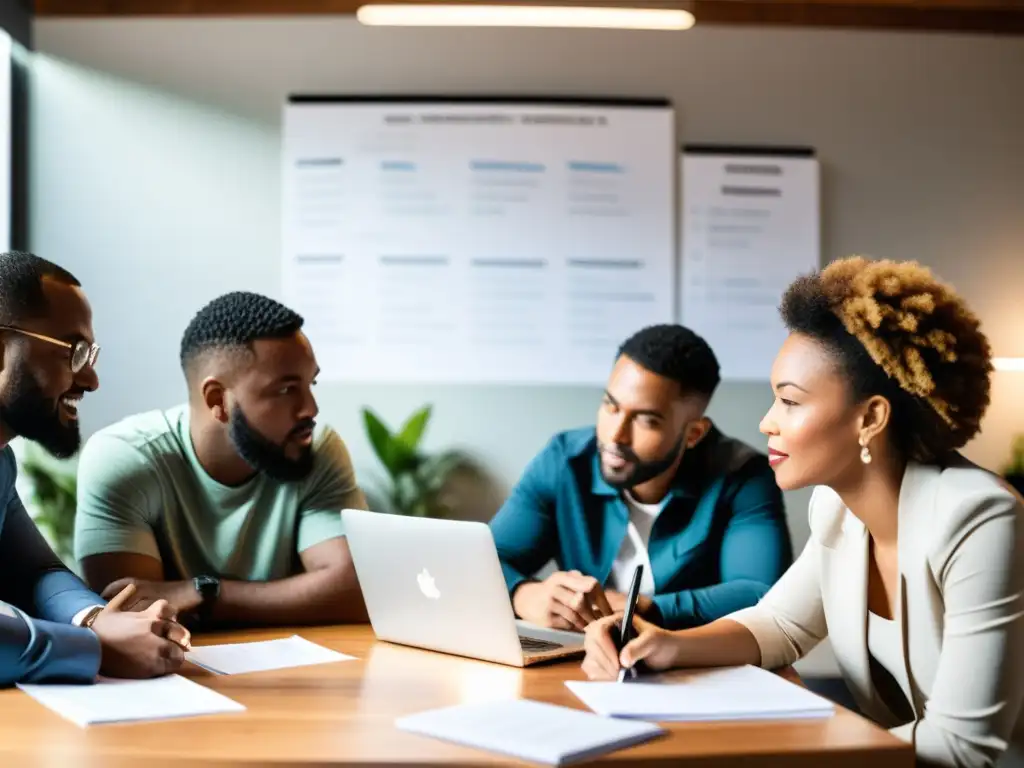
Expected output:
(406, 462)
(381, 440)
(412, 431)
(1016, 464)
(52, 500)
(416, 480)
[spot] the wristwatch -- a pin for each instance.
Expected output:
(208, 588)
(88, 619)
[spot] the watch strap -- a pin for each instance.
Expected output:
(90, 617)
(208, 588)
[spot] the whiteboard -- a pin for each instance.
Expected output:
(6, 179)
(477, 242)
(750, 226)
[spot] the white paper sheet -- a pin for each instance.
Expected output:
(731, 693)
(530, 730)
(121, 701)
(262, 656)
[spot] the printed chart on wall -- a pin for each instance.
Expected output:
(750, 225)
(504, 241)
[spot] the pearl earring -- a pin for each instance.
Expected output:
(865, 453)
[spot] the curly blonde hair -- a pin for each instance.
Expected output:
(926, 348)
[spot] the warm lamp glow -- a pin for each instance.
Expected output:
(1009, 364)
(473, 15)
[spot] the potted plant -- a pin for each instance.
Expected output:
(52, 500)
(448, 484)
(1014, 471)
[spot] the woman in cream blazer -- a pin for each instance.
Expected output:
(915, 564)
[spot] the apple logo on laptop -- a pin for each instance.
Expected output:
(427, 585)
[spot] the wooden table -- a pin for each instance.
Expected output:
(343, 714)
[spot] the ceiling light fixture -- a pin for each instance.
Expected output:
(474, 15)
(1009, 364)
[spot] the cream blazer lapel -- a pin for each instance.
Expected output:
(845, 601)
(920, 597)
(845, 593)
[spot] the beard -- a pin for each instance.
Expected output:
(29, 413)
(266, 456)
(639, 471)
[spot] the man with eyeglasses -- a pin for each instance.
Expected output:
(52, 627)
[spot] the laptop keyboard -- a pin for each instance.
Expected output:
(534, 645)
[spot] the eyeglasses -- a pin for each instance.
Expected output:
(82, 352)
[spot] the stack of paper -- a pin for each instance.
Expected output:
(731, 693)
(529, 730)
(238, 658)
(121, 701)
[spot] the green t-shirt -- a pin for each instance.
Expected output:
(141, 489)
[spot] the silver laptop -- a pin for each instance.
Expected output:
(437, 584)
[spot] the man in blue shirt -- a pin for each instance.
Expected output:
(51, 626)
(655, 484)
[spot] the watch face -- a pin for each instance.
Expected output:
(207, 584)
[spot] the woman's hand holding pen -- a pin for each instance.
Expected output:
(658, 648)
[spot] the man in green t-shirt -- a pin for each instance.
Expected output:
(227, 507)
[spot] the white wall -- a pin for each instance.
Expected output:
(155, 177)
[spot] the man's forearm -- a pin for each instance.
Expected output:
(323, 596)
(696, 607)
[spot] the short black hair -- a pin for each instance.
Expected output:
(230, 323)
(677, 353)
(21, 285)
(897, 331)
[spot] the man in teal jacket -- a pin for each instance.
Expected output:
(654, 484)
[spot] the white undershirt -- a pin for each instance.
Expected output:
(886, 648)
(633, 551)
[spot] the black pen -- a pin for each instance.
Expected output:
(627, 619)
